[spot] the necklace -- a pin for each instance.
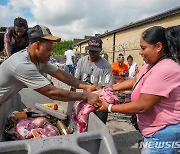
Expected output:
(149, 67)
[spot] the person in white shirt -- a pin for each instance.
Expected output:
(133, 68)
(69, 56)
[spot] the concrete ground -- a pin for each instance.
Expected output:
(125, 136)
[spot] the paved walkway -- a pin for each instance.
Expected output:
(125, 136)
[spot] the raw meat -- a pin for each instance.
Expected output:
(23, 127)
(81, 109)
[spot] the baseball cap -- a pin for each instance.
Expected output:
(94, 44)
(40, 31)
(70, 47)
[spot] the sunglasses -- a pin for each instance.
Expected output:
(122, 57)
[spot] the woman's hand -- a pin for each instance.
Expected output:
(121, 73)
(104, 105)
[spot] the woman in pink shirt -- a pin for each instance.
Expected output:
(156, 91)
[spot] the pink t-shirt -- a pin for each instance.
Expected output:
(163, 80)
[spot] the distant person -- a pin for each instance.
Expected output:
(16, 37)
(77, 57)
(70, 60)
(94, 69)
(133, 68)
(119, 69)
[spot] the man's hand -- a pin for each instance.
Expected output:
(93, 99)
(122, 74)
(91, 88)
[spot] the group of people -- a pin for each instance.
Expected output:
(122, 71)
(155, 89)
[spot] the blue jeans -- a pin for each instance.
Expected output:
(69, 69)
(165, 141)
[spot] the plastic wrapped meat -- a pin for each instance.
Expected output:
(51, 130)
(81, 109)
(23, 128)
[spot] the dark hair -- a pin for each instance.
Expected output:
(120, 54)
(130, 57)
(167, 37)
(70, 47)
(173, 40)
(20, 22)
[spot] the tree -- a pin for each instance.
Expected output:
(60, 47)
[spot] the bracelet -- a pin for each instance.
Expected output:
(110, 107)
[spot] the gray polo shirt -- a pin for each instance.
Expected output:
(18, 71)
(99, 74)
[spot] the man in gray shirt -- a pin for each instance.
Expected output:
(94, 69)
(23, 69)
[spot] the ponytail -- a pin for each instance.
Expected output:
(172, 35)
(169, 37)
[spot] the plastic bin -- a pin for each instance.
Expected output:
(97, 139)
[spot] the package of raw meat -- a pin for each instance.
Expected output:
(22, 129)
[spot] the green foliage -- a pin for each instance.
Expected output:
(60, 47)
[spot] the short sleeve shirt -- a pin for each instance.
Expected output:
(116, 69)
(69, 54)
(99, 73)
(162, 80)
(18, 71)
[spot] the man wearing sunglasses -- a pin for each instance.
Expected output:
(94, 69)
(119, 69)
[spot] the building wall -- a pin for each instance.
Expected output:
(130, 38)
(108, 46)
(127, 41)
